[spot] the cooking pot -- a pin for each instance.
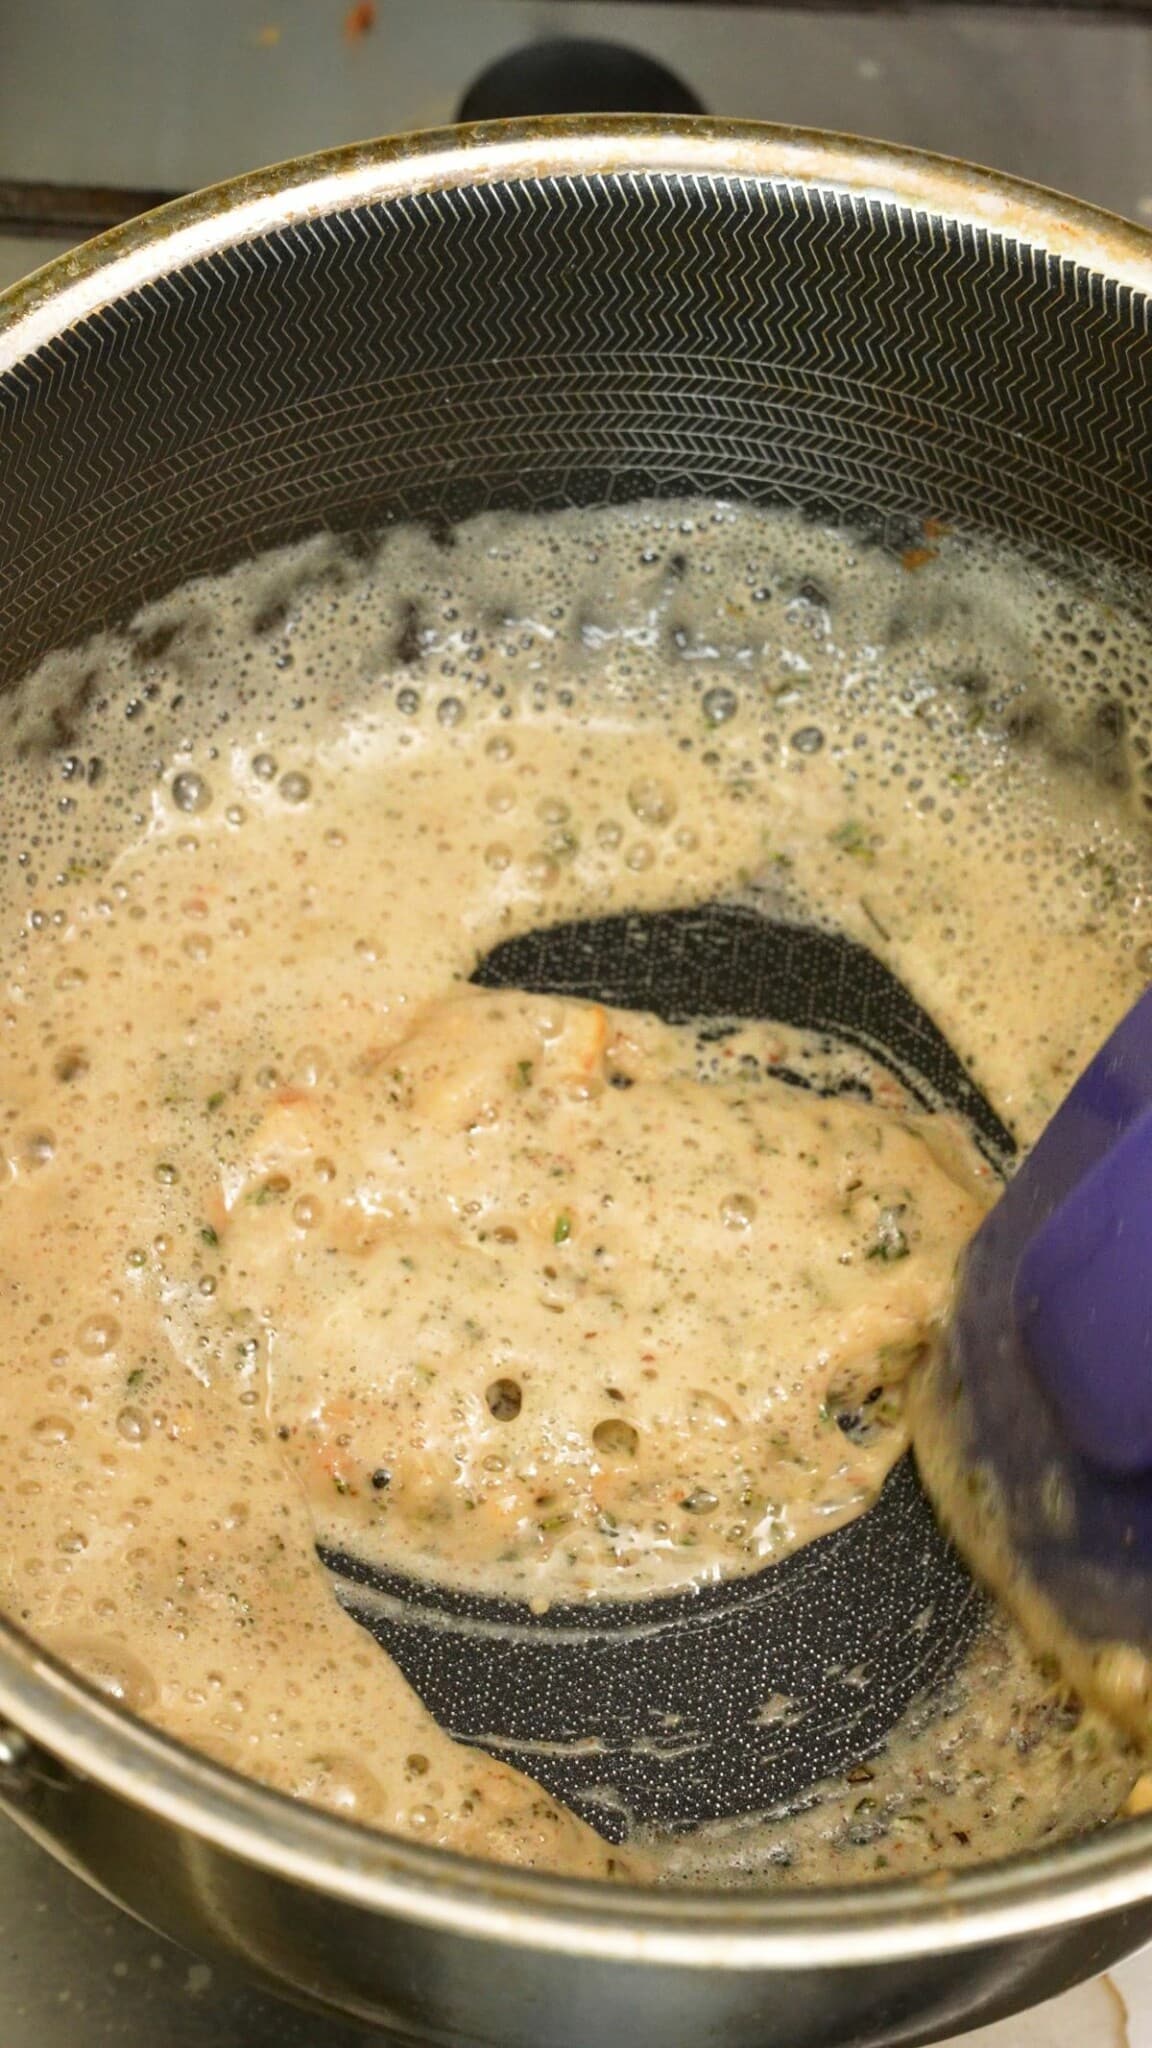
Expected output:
(533, 315)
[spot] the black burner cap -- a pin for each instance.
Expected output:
(575, 75)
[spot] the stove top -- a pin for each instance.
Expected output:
(76, 1972)
(154, 94)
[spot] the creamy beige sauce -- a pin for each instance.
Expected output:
(549, 1315)
(299, 1235)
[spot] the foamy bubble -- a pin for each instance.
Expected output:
(190, 792)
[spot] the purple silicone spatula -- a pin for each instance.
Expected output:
(1048, 1372)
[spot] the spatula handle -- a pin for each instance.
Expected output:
(1082, 1300)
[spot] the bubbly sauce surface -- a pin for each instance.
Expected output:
(549, 1316)
(302, 1237)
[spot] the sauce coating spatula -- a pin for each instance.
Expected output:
(1043, 1395)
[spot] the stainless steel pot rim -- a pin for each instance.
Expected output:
(107, 268)
(66, 1718)
(383, 1874)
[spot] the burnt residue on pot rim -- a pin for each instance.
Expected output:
(52, 299)
(69, 1731)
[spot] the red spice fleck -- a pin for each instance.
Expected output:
(359, 21)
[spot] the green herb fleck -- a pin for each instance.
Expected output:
(524, 1071)
(856, 840)
(562, 1229)
(208, 1235)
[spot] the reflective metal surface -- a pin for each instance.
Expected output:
(76, 1972)
(433, 1946)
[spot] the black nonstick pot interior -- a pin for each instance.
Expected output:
(544, 339)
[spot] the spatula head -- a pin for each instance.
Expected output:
(1047, 1383)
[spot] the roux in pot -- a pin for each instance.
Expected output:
(301, 1236)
